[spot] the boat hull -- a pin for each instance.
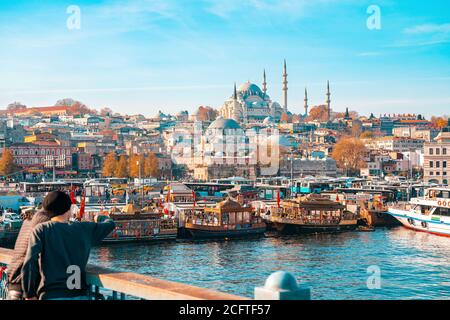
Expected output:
(379, 218)
(421, 223)
(128, 239)
(196, 233)
(287, 228)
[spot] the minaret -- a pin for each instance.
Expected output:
(328, 101)
(285, 87)
(264, 84)
(235, 92)
(306, 102)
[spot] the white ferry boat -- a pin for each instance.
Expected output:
(430, 213)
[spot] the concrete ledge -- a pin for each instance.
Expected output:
(141, 286)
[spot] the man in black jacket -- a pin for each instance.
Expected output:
(58, 252)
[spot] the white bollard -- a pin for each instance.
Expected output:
(282, 285)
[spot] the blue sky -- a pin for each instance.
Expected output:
(141, 56)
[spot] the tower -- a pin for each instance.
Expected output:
(264, 84)
(306, 102)
(285, 87)
(328, 101)
(235, 92)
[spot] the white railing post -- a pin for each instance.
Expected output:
(282, 286)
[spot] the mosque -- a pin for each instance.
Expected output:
(250, 104)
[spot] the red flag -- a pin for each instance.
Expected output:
(82, 206)
(72, 196)
(337, 198)
(278, 198)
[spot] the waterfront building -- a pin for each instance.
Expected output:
(397, 144)
(437, 158)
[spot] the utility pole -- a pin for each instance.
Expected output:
(54, 168)
(141, 184)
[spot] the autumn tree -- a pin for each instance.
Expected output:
(135, 162)
(318, 113)
(122, 167)
(367, 135)
(284, 118)
(109, 165)
(7, 165)
(349, 154)
(296, 118)
(151, 166)
(106, 112)
(206, 114)
(439, 122)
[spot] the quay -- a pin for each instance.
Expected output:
(126, 285)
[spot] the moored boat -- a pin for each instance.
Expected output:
(311, 214)
(228, 219)
(430, 213)
(140, 225)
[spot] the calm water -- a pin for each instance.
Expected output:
(413, 265)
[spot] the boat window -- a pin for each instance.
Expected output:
(442, 212)
(446, 194)
(438, 193)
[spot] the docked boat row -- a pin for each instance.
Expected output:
(231, 209)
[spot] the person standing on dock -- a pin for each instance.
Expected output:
(58, 252)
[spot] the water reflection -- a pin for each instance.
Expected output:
(413, 265)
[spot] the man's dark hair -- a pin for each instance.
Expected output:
(57, 203)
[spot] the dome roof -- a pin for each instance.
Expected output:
(221, 123)
(268, 120)
(250, 89)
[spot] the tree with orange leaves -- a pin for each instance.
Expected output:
(349, 154)
(284, 118)
(318, 113)
(109, 165)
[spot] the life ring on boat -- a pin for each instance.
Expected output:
(424, 224)
(411, 221)
(444, 203)
(439, 203)
(149, 232)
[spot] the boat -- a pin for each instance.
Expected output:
(10, 224)
(311, 214)
(430, 213)
(228, 219)
(139, 225)
(375, 213)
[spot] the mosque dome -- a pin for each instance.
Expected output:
(250, 89)
(222, 124)
(269, 120)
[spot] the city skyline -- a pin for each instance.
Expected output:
(145, 56)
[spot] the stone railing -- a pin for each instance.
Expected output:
(117, 285)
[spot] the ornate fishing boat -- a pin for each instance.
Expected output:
(311, 214)
(140, 225)
(228, 219)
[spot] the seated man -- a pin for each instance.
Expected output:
(58, 252)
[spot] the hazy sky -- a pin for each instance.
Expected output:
(141, 56)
